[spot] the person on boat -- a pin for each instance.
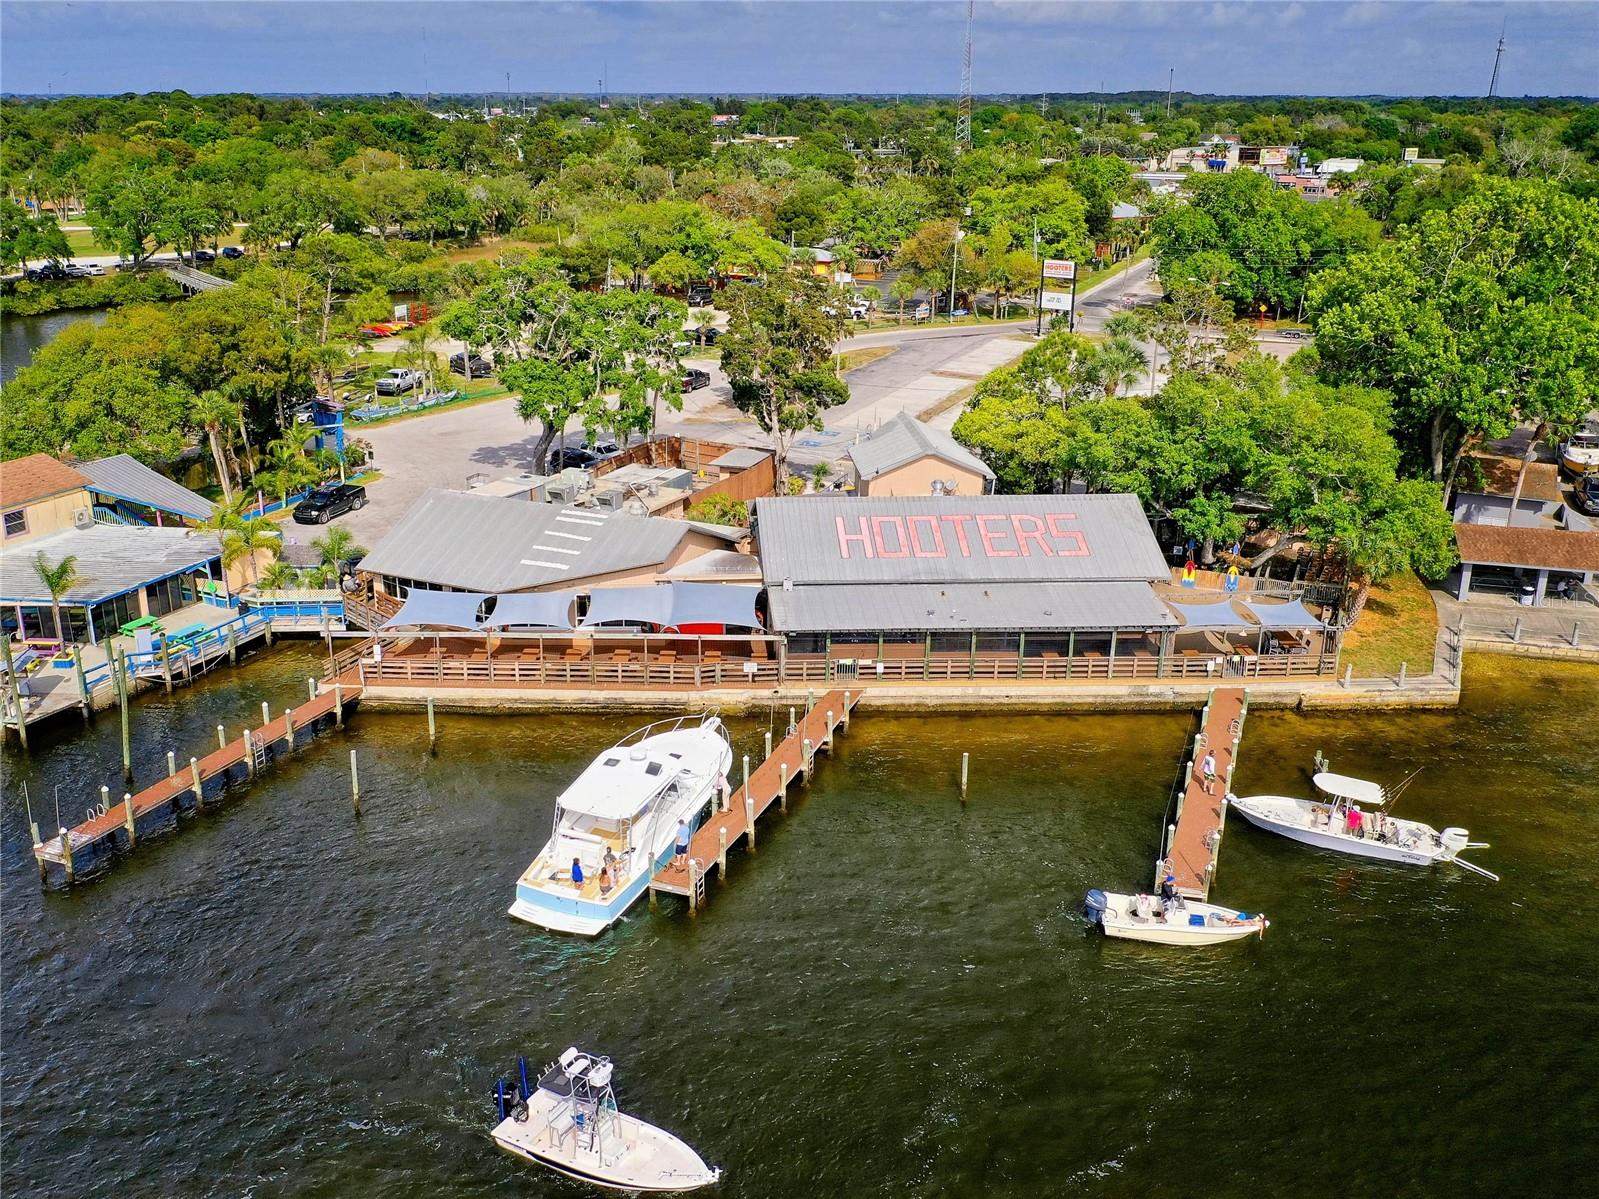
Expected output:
(680, 850)
(1355, 822)
(605, 879)
(1168, 891)
(577, 873)
(1207, 767)
(611, 864)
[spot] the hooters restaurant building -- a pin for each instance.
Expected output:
(950, 587)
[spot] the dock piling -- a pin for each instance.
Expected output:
(746, 774)
(233, 648)
(66, 853)
(749, 815)
(33, 831)
(172, 763)
(199, 791)
(693, 899)
(288, 727)
(827, 739)
(966, 761)
(83, 683)
(105, 799)
(122, 702)
(792, 721)
(843, 722)
(1403, 668)
(14, 693)
(222, 737)
(266, 714)
(805, 762)
(310, 687)
(338, 704)
(433, 728)
(355, 785)
(721, 854)
(782, 794)
(127, 807)
(166, 664)
(768, 752)
(249, 755)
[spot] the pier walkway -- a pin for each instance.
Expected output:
(792, 759)
(116, 825)
(1193, 840)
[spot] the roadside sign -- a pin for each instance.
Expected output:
(1056, 301)
(1059, 268)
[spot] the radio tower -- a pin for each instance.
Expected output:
(1493, 84)
(963, 117)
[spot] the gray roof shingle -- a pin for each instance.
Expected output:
(905, 439)
(112, 559)
(489, 543)
(123, 476)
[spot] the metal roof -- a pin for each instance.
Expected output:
(905, 439)
(937, 607)
(489, 543)
(956, 539)
(124, 477)
(112, 560)
(741, 458)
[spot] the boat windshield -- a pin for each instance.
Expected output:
(1356, 790)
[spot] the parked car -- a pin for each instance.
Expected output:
(204, 256)
(699, 295)
(398, 381)
(84, 270)
(1294, 334)
(1581, 454)
(709, 335)
(323, 504)
(693, 380)
(1586, 494)
(480, 366)
(48, 271)
(232, 252)
(572, 456)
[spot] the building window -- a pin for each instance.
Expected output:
(17, 522)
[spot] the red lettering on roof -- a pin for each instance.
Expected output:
(901, 548)
(1073, 538)
(844, 538)
(920, 551)
(990, 536)
(959, 521)
(1030, 528)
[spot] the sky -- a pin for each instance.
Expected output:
(1315, 47)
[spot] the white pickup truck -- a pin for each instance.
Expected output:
(398, 382)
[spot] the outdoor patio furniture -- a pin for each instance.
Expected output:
(144, 622)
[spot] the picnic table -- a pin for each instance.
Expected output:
(144, 622)
(186, 635)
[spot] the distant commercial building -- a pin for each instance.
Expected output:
(1539, 547)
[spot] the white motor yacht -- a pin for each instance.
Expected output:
(1344, 826)
(1175, 922)
(569, 1122)
(620, 818)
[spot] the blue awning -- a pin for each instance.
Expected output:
(531, 610)
(675, 605)
(437, 610)
(1289, 615)
(1218, 615)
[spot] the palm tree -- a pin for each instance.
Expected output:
(246, 540)
(418, 354)
(217, 414)
(1119, 363)
(288, 468)
(58, 580)
(280, 576)
(337, 546)
(902, 289)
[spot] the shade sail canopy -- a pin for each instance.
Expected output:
(532, 610)
(1218, 615)
(1291, 615)
(675, 605)
(438, 610)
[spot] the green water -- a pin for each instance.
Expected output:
(895, 996)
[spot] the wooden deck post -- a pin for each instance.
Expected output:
(971, 657)
(266, 715)
(338, 704)
(749, 815)
(127, 808)
(105, 799)
(355, 785)
(782, 795)
(83, 683)
(288, 727)
(827, 740)
(843, 720)
(310, 688)
(195, 785)
(66, 854)
(249, 755)
(222, 737)
(792, 722)
(805, 762)
(746, 774)
(966, 761)
(433, 728)
(721, 853)
(768, 745)
(927, 656)
(172, 763)
(166, 664)
(693, 897)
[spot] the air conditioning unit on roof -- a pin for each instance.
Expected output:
(561, 493)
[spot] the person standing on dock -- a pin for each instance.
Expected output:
(680, 850)
(1207, 768)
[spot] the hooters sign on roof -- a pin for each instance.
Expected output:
(956, 539)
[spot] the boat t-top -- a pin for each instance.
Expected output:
(617, 823)
(1174, 921)
(1344, 825)
(569, 1122)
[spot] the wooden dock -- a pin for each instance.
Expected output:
(1193, 839)
(791, 760)
(116, 825)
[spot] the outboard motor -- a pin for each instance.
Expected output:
(499, 1098)
(1094, 905)
(1454, 839)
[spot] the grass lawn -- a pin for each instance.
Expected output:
(492, 248)
(851, 360)
(1398, 624)
(81, 242)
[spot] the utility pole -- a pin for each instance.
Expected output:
(963, 111)
(1171, 77)
(1493, 84)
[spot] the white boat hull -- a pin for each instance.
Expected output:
(632, 1156)
(1121, 919)
(1302, 820)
